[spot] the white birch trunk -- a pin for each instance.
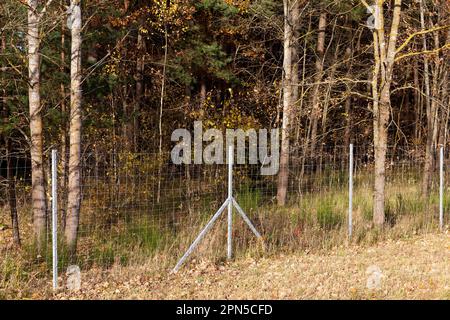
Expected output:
(36, 144)
(74, 193)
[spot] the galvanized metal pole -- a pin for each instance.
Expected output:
(54, 219)
(230, 203)
(350, 193)
(441, 190)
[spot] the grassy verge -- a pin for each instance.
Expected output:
(316, 221)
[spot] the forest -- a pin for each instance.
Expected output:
(106, 82)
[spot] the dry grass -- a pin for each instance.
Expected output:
(132, 255)
(413, 268)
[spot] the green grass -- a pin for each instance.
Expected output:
(328, 214)
(249, 199)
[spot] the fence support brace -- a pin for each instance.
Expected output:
(229, 203)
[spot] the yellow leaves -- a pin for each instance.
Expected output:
(208, 123)
(242, 5)
(111, 68)
(235, 118)
(177, 14)
(153, 17)
(229, 116)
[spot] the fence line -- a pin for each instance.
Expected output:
(122, 221)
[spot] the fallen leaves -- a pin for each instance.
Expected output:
(416, 268)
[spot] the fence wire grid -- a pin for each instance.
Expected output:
(136, 206)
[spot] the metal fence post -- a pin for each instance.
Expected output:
(230, 203)
(441, 189)
(54, 219)
(350, 192)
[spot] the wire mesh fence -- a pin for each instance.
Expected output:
(138, 206)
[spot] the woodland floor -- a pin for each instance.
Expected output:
(412, 268)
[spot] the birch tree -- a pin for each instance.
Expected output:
(384, 49)
(290, 91)
(318, 77)
(35, 109)
(430, 111)
(63, 136)
(74, 192)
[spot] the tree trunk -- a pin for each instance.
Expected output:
(63, 149)
(37, 169)
(418, 105)
(161, 109)
(428, 165)
(380, 143)
(202, 95)
(320, 51)
(445, 99)
(11, 182)
(381, 83)
(445, 107)
(127, 120)
(12, 194)
(290, 92)
(74, 195)
(348, 121)
(139, 87)
(327, 100)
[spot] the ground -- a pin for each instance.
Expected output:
(412, 268)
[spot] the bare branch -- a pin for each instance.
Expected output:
(400, 48)
(411, 54)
